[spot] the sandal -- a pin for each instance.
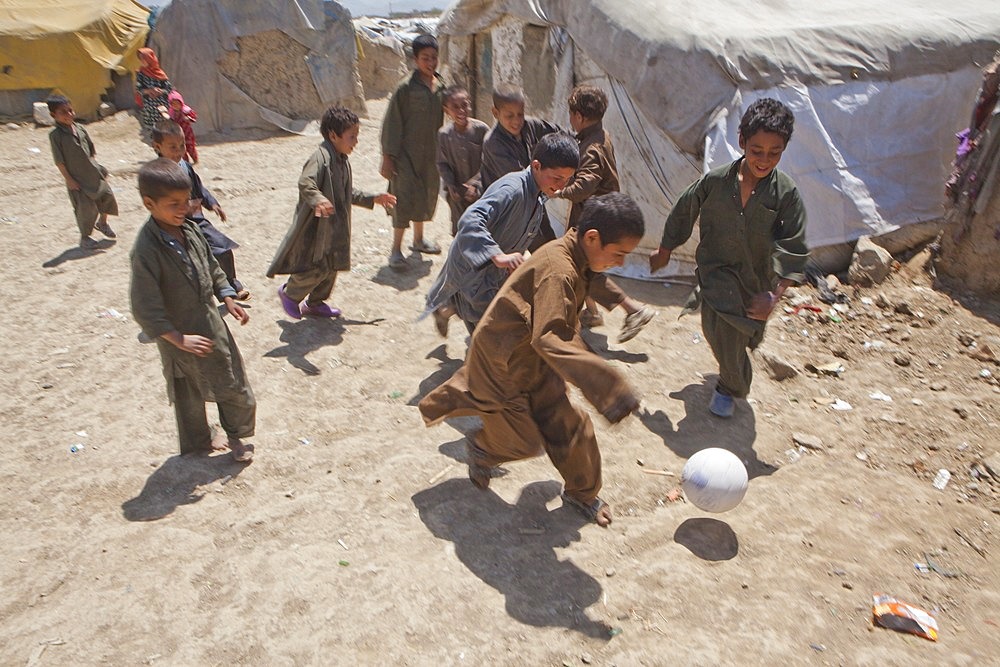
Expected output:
(597, 511)
(426, 247)
(635, 322)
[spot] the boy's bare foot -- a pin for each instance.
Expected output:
(219, 443)
(242, 452)
(441, 316)
(597, 510)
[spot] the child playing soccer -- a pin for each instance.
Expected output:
(495, 231)
(598, 175)
(87, 181)
(527, 347)
(174, 277)
(318, 245)
(409, 150)
(460, 151)
(752, 246)
(168, 142)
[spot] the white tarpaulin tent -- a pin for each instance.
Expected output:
(260, 64)
(877, 90)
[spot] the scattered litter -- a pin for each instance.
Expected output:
(343, 544)
(840, 405)
(438, 477)
(985, 373)
(879, 396)
(817, 647)
(794, 454)
(343, 563)
(834, 368)
(396, 394)
(76, 447)
(695, 339)
(874, 344)
(893, 614)
(615, 632)
(941, 479)
(32, 149)
(111, 314)
(981, 551)
(862, 456)
(305, 441)
(82, 434)
(922, 568)
(665, 473)
(867, 300)
(934, 567)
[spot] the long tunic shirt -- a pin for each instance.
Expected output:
(743, 250)
(504, 153)
(172, 289)
(504, 220)
(313, 242)
(72, 147)
(597, 174)
(409, 135)
(459, 157)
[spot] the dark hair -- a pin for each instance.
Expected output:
(507, 94)
(615, 216)
(160, 177)
(556, 150)
(767, 115)
(166, 128)
(588, 101)
(337, 120)
(423, 42)
(452, 91)
(56, 101)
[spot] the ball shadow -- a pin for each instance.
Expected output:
(708, 539)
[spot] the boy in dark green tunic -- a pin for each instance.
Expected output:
(752, 247)
(174, 277)
(75, 156)
(409, 149)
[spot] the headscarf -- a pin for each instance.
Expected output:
(152, 67)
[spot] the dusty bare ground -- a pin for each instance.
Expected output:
(355, 537)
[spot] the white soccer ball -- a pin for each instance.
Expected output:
(715, 480)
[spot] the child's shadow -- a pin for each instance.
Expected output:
(599, 344)
(700, 429)
(308, 335)
(178, 482)
(512, 549)
(406, 279)
(445, 370)
(76, 252)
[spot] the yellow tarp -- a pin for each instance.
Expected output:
(69, 46)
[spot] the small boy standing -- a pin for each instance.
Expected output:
(87, 181)
(318, 245)
(495, 231)
(752, 246)
(460, 152)
(510, 142)
(409, 150)
(174, 277)
(598, 175)
(526, 349)
(168, 142)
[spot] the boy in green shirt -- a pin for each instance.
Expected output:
(752, 245)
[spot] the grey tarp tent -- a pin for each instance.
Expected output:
(877, 89)
(260, 64)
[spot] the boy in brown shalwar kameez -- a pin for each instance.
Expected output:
(528, 345)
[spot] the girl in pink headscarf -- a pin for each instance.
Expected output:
(184, 116)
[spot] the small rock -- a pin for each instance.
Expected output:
(882, 301)
(848, 585)
(12, 126)
(961, 412)
(903, 308)
(586, 658)
(106, 109)
(992, 465)
(870, 263)
(938, 386)
(610, 572)
(967, 340)
(777, 368)
(40, 110)
(808, 441)
(901, 360)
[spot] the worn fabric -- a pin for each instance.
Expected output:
(73, 148)
(237, 418)
(504, 220)
(313, 286)
(504, 153)
(409, 134)
(321, 243)
(172, 289)
(526, 348)
(729, 339)
(151, 101)
(598, 171)
(459, 157)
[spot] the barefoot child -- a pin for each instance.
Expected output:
(74, 154)
(598, 175)
(752, 245)
(527, 347)
(409, 150)
(168, 142)
(460, 152)
(318, 245)
(174, 277)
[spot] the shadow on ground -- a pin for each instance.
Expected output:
(76, 252)
(512, 548)
(446, 369)
(708, 539)
(179, 481)
(305, 336)
(404, 279)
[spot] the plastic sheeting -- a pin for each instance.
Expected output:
(260, 64)
(69, 47)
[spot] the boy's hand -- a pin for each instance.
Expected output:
(236, 310)
(219, 212)
(509, 262)
(761, 305)
(471, 193)
(324, 209)
(659, 259)
(386, 201)
(196, 345)
(72, 184)
(388, 167)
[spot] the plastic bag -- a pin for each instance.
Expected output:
(896, 615)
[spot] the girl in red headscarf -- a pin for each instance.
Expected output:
(153, 85)
(184, 116)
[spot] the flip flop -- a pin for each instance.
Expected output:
(426, 247)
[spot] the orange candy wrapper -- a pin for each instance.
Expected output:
(895, 615)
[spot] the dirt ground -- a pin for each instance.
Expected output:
(355, 536)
